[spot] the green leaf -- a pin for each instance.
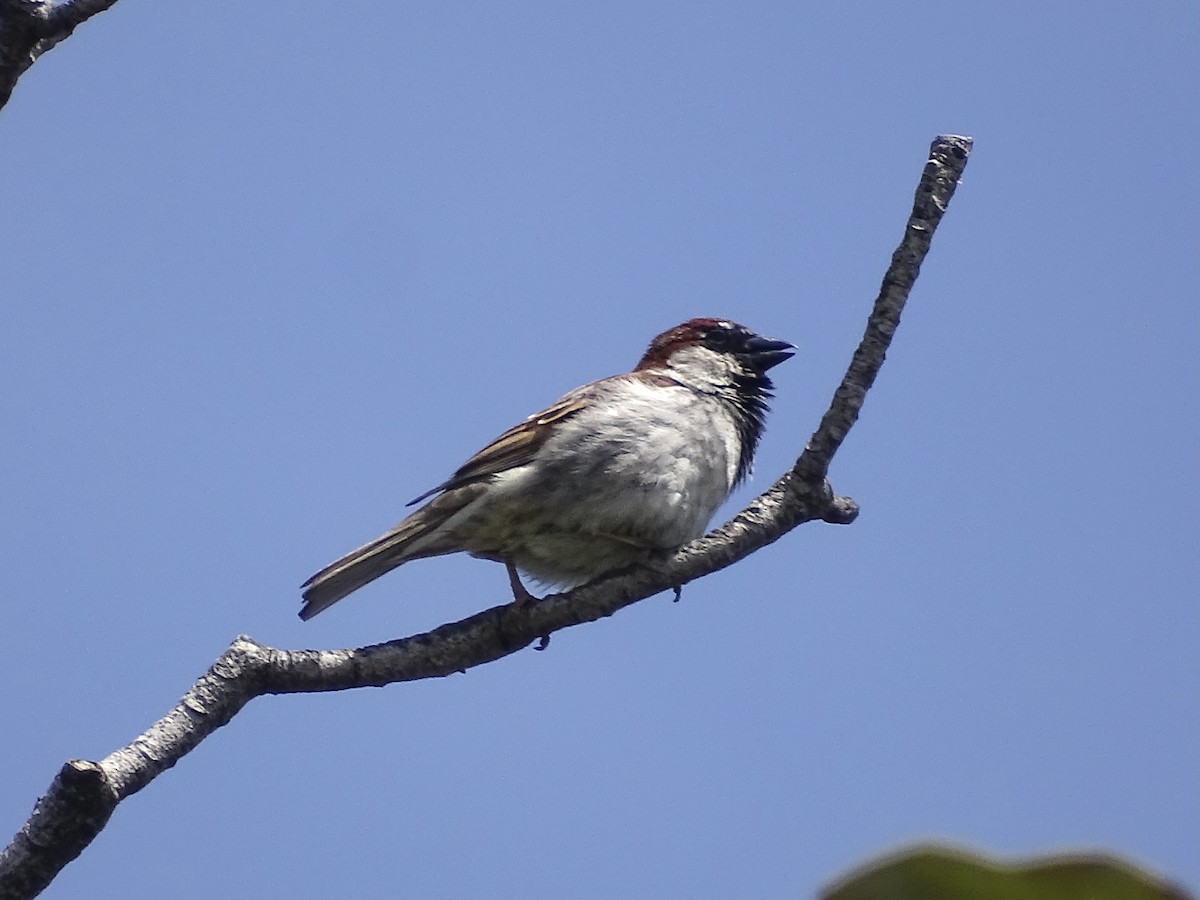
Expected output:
(943, 873)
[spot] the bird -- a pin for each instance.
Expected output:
(609, 475)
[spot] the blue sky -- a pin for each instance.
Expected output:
(270, 274)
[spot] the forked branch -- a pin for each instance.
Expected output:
(83, 795)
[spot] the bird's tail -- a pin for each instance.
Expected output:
(352, 571)
(420, 535)
(414, 538)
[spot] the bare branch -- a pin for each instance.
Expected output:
(28, 28)
(83, 795)
(947, 159)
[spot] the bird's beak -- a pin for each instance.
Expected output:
(766, 352)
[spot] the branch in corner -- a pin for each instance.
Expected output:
(28, 28)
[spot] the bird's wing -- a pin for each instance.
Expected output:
(515, 447)
(411, 538)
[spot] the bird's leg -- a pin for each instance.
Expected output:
(521, 596)
(654, 558)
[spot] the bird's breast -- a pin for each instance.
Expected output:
(614, 482)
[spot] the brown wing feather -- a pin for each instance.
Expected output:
(515, 447)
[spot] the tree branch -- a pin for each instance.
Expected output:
(84, 794)
(28, 28)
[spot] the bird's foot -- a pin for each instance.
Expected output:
(658, 561)
(522, 599)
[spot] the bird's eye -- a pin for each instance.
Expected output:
(721, 336)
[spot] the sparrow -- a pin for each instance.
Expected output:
(612, 473)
